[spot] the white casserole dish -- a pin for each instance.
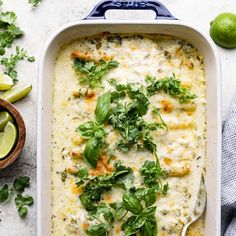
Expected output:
(166, 25)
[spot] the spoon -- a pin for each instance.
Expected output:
(199, 207)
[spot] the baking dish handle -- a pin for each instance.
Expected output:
(100, 9)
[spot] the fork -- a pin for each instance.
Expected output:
(199, 207)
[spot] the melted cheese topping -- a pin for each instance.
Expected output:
(181, 150)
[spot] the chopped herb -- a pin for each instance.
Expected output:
(21, 183)
(171, 86)
(21, 203)
(92, 72)
(11, 62)
(63, 175)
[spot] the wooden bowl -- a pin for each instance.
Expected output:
(18, 120)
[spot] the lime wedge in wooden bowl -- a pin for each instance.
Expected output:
(8, 139)
(6, 82)
(4, 118)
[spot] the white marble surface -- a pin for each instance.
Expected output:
(38, 24)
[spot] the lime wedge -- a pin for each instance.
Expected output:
(4, 118)
(17, 92)
(6, 82)
(8, 139)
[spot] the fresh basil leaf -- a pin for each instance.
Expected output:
(4, 193)
(119, 209)
(91, 129)
(103, 108)
(149, 228)
(133, 225)
(148, 195)
(104, 210)
(149, 212)
(132, 204)
(91, 152)
(98, 230)
(21, 183)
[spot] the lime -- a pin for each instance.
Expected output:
(8, 139)
(4, 118)
(17, 92)
(6, 82)
(1, 135)
(223, 30)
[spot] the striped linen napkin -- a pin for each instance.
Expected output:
(228, 182)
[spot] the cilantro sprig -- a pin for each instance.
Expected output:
(128, 119)
(91, 72)
(95, 187)
(171, 86)
(18, 188)
(8, 30)
(11, 62)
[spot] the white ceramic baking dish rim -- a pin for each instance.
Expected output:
(212, 213)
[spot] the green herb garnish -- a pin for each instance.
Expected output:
(128, 118)
(143, 218)
(21, 203)
(18, 187)
(94, 130)
(95, 187)
(8, 30)
(171, 86)
(11, 62)
(34, 3)
(152, 173)
(92, 72)
(21, 183)
(4, 193)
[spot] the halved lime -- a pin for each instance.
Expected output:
(8, 139)
(1, 135)
(6, 82)
(4, 118)
(17, 92)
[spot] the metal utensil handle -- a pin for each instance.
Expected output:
(100, 9)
